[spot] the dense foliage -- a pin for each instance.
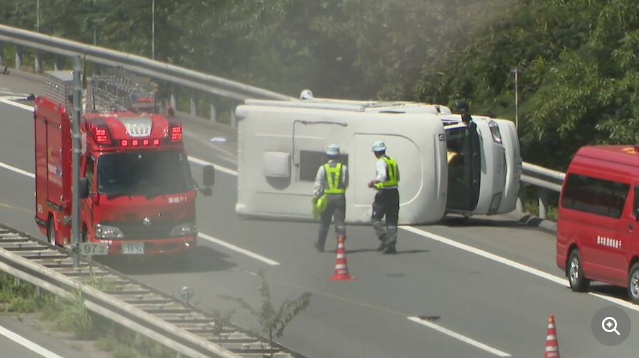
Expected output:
(579, 73)
(577, 58)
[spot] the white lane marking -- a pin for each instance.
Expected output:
(15, 104)
(487, 255)
(460, 337)
(229, 155)
(423, 233)
(203, 236)
(17, 170)
(238, 249)
(218, 167)
(558, 280)
(28, 344)
(617, 301)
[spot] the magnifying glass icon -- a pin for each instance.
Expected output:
(609, 325)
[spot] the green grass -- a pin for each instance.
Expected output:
(71, 315)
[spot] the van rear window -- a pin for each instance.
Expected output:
(595, 196)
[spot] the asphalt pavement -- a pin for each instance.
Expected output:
(20, 340)
(482, 287)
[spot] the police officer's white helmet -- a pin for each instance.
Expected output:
(379, 146)
(306, 94)
(333, 150)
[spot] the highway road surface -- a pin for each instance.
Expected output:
(19, 340)
(477, 288)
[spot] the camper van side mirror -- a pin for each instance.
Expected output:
(83, 189)
(208, 176)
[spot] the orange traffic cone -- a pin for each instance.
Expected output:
(341, 268)
(552, 344)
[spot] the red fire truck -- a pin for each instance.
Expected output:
(137, 194)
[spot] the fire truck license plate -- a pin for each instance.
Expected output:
(93, 248)
(133, 249)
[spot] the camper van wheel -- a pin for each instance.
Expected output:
(51, 232)
(633, 283)
(578, 282)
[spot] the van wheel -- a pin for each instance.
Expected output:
(578, 282)
(51, 236)
(633, 283)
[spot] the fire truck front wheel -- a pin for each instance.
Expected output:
(51, 235)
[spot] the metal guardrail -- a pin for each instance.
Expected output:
(546, 180)
(196, 81)
(138, 307)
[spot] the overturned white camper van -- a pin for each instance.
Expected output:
(445, 165)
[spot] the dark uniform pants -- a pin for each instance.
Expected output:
(386, 204)
(335, 209)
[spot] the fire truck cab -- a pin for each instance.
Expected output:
(140, 197)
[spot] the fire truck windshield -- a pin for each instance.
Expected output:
(148, 173)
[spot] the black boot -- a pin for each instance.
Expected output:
(383, 242)
(389, 250)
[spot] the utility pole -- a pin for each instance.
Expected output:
(153, 30)
(516, 71)
(75, 161)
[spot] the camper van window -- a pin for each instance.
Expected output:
(635, 207)
(310, 161)
(595, 196)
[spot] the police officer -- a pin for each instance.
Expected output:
(332, 180)
(386, 200)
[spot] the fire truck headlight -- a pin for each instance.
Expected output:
(107, 232)
(494, 130)
(185, 229)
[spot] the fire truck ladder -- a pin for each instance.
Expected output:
(173, 322)
(120, 90)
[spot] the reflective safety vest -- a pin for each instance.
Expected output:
(333, 179)
(391, 174)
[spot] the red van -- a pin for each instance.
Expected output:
(597, 224)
